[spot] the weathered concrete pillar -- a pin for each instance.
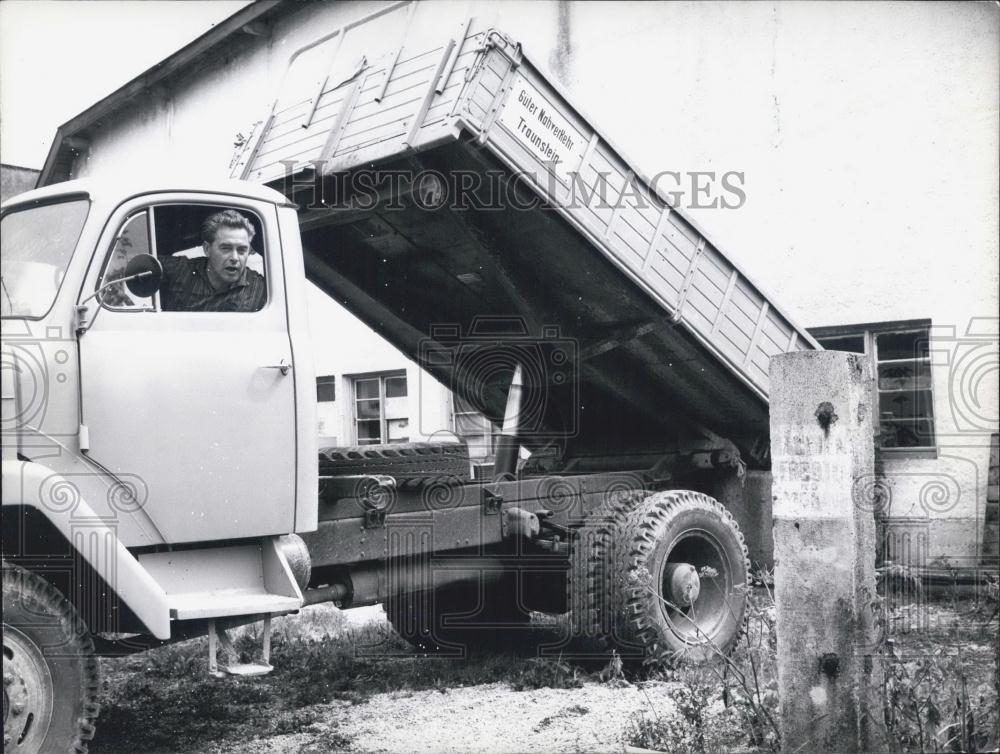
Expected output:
(822, 450)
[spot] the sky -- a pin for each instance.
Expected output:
(57, 58)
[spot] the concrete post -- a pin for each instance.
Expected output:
(822, 451)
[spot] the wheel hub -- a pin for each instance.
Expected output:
(682, 584)
(27, 693)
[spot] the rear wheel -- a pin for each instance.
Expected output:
(589, 586)
(50, 675)
(680, 581)
(466, 613)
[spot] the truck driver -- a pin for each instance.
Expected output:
(220, 281)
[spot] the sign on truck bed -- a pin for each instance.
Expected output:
(658, 320)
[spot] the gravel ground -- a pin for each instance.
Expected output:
(492, 719)
(487, 719)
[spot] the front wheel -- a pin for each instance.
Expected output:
(50, 676)
(681, 576)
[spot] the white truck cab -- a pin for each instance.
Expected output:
(163, 455)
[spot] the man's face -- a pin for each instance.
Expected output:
(227, 256)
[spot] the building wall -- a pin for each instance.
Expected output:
(16, 180)
(859, 150)
(346, 347)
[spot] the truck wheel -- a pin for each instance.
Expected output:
(681, 575)
(456, 614)
(410, 616)
(589, 578)
(50, 676)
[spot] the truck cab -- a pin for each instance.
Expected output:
(164, 456)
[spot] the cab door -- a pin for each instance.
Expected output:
(199, 405)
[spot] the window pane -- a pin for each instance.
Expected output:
(326, 389)
(369, 432)
(367, 388)
(397, 408)
(912, 376)
(914, 404)
(395, 387)
(37, 244)
(908, 345)
(132, 240)
(368, 410)
(906, 433)
(398, 430)
(848, 343)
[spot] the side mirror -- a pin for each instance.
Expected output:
(143, 275)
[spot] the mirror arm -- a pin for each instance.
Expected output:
(81, 309)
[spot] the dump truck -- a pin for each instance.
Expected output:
(161, 472)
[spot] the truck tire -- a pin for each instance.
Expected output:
(456, 615)
(681, 579)
(588, 580)
(51, 677)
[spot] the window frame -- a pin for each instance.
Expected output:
(869, 333)
(383, 420)
(150, 210)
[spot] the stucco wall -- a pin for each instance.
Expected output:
(16, 180)
(860, 130)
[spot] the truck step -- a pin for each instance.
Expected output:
(219, 644)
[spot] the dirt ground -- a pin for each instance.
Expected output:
(490, 718)
(325, 695)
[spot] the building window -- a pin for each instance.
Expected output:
(381, 410)
(477, 431)
(326, 389)
(900, 356)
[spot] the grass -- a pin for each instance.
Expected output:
(944, 698)
(164, 700)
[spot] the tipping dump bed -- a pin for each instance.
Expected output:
(656, 321)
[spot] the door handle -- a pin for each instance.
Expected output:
(282, 366)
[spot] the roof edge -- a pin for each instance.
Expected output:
(195, 49)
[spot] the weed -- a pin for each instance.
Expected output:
(613, 673)
(936, 695)
(747, 674)
(548, 672)
(930, 704)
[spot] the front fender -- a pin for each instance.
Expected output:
(33, 485)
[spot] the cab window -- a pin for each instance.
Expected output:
(212, 258)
